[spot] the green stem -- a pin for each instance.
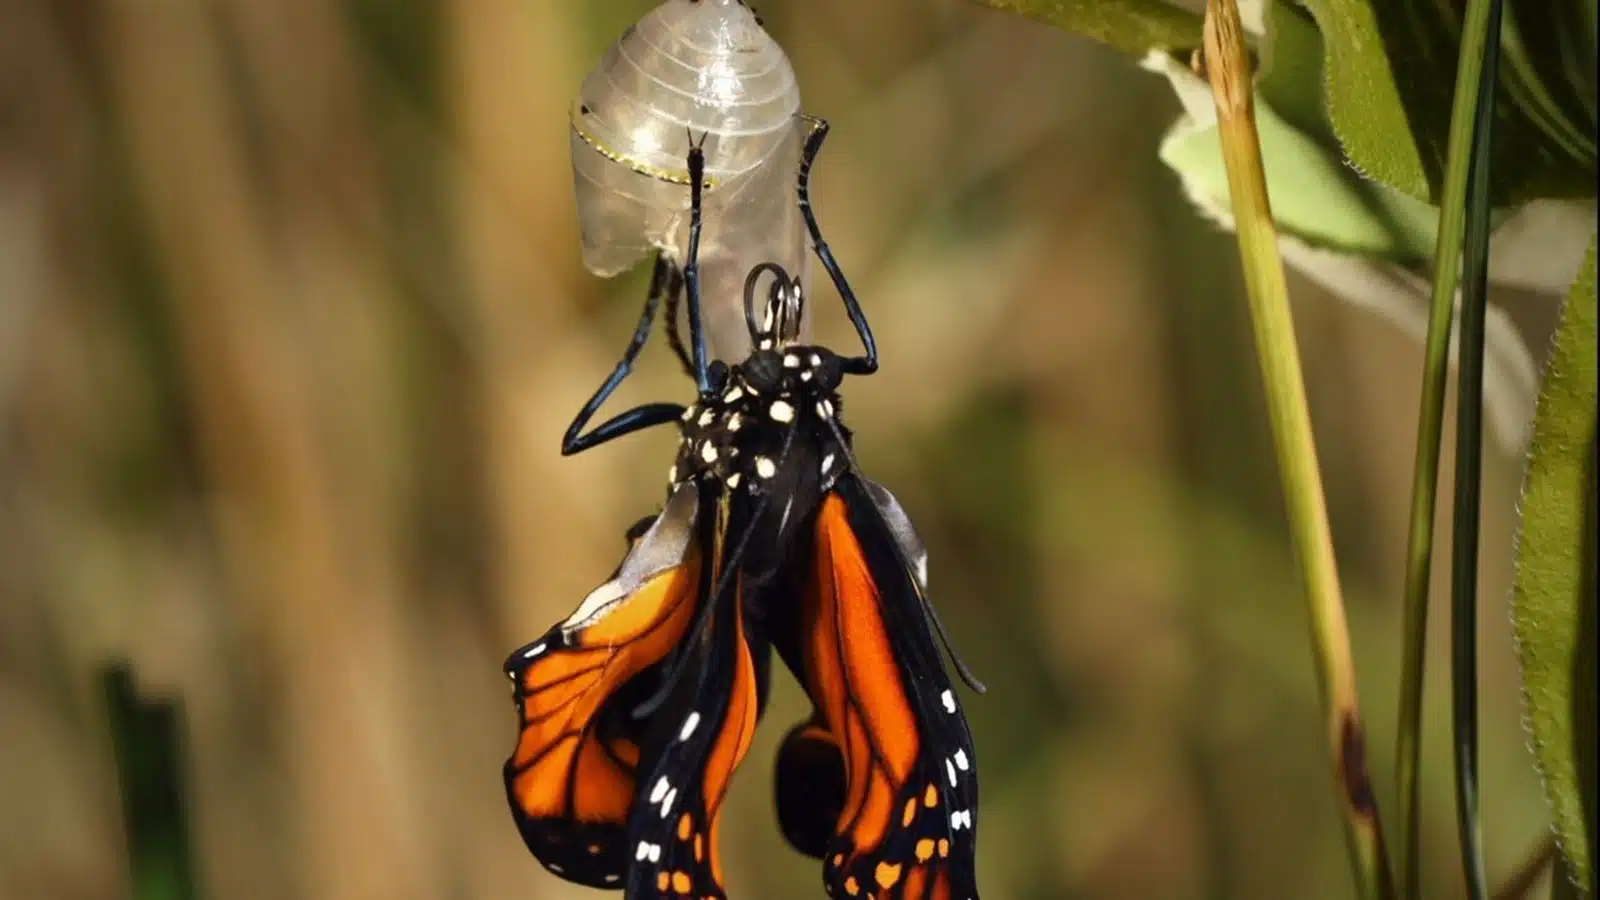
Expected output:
(1469, 472)
(1228, 67)
(1430, 425)
(145, 736)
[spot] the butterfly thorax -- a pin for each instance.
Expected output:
(768, 440)
(777, 409)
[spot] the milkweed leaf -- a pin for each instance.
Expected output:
(1554, 599)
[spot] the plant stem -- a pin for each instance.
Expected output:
(1430, 424)
(146, 738)
(1228, 67)
(1469, 472)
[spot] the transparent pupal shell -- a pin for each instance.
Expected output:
(706, 68)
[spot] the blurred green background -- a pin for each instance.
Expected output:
(292, 319)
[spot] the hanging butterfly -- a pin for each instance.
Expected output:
(635, 711)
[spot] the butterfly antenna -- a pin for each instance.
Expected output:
(928, 612)
(701, 629)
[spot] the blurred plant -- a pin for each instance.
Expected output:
(1367, 162)
(146, 736)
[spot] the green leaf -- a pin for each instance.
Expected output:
(1132, 26)
(1316, 196)
(1555, 579)
(1389, 75)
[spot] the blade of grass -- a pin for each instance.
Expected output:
(1469, 466)
(1430, 425)
(145, 736)
(1228, 66)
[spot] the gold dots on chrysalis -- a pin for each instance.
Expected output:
(851, 887)
(910, 813)
(924, 849)
(930, 797)
(685, 825)
(887, 874)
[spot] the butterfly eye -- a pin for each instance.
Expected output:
(764, 370)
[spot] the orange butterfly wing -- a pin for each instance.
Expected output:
(676, 822)
(571, 778)
(881, 782)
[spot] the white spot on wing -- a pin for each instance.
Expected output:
(827, 463)
(689, 723)
(533, 651)
(949, 701)
(961, 760)
(666, 802)
(950, 770)
(660, 790)
(825, 408)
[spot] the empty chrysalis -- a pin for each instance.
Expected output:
(692, 70)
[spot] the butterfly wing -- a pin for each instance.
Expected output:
(571, 779)
(881, 782)
(702, 734)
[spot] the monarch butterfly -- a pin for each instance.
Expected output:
(710, 67)
(635, 710)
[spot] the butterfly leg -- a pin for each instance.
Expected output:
(859, 365)
(674, 336)
(575, 441)
(691, 266)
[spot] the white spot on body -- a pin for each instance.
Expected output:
(816, 360)
(733, 395)
(687, 414)
(689, 725)
(949, 701)
(706, 418)
(556, 869)
(672, 474)
(765, 467)
(612, 878)
(735, 422)
(825, 408)
(790, 361)
(766, 344)
(806, 375)
(733, 480)
(708, 452)
(781, 411)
